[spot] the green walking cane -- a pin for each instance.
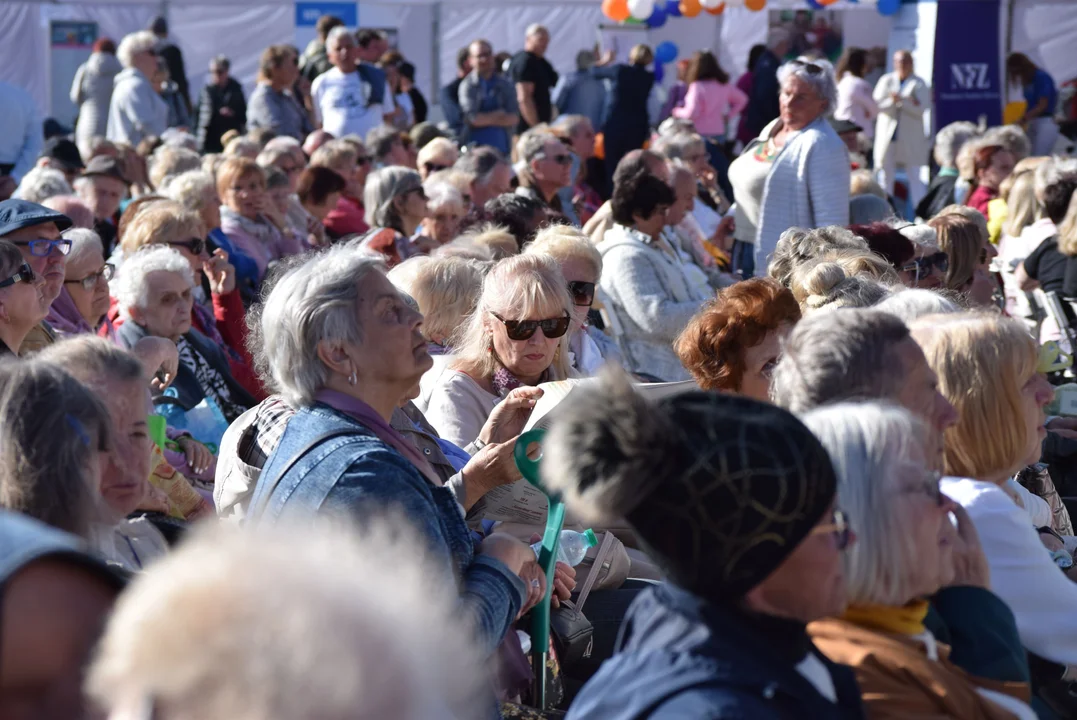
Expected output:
(555, 519)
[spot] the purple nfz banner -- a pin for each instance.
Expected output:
(968, 78)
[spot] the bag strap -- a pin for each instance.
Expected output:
(265, 488)
(604, 550)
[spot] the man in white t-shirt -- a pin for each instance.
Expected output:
(342, 99)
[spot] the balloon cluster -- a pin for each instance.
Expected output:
(654, 13)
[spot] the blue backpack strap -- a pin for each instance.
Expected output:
(377, 82)
(274, 471)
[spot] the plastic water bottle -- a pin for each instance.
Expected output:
(573, 546)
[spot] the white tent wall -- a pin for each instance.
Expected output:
(1046, 31)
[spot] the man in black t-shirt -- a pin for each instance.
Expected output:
(534, 78)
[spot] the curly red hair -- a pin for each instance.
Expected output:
(712, 346)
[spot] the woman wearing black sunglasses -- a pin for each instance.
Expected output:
(22, 304)
(517, 337)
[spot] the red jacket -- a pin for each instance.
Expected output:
(347, 218)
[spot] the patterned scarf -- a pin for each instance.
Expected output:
(505, 382)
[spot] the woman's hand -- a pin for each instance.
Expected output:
(490, 467)
(510, 416)
(199, 458)
(723, 235)
(535, 580)
(510, 551)
(220, 272)
(970, 563)
(564, 582)
(160, 358)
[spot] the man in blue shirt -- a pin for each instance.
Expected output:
(580, 92)
(487, 101)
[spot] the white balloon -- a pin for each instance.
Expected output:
(710, 4)
(641, 9)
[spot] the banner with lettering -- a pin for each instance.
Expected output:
(967, 78)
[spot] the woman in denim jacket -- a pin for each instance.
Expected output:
(344, 347)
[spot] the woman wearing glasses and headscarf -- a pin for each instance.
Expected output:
(517, 337)
(797, 171)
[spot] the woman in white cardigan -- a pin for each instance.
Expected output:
(644, 281)
(987, 369)
(808, 181)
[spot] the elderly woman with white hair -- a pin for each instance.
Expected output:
(807, 183)
(344, 348)
(517, 337)
(396, 206)
(446, 209)
(943, 190)
(82, 306)
(907, 550)
(438, 154)
(929, 264)
(154, 292)
(581, 264)
(42, 183)
(136, 110)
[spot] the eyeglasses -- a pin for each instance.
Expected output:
(839, 527)
(583, 293)
(923, 266)
(195, 245)
(562, 159)
(43, 248)
(929, 486)
(810, 67)
(90, 281)
(434, 167)
(363, 160)
(524, 329)
(25, 274)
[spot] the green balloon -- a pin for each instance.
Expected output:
(633, 21)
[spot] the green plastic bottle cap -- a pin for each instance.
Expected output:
(591, 539)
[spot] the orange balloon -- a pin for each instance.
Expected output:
(720, 9)
(755, 5)
(616, 10)
(690, 8)
(824, 3)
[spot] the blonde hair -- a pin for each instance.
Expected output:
(823, 283)
(160, 224)
(563, 243)
(516, 287)
(1021, 202)
(234, 170)
(1067, 229)
(242, 146)
(446, 290)
(862, 263)
(983, 361)
(641, 55)
(961, 237)
(862, 182)
(436, 148)
(493, 242)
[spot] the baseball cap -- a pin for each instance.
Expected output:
(18, 214)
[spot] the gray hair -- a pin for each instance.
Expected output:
(921, 235)
(823, 82)
(73, 206)
(174, 137)
(130, 287)
(337, 33)
(914, 303)
(189, 189)
(168, 161)
(825, 284)
(382, 188)
(381, 139)
(93, 361)
(334, 153)
(440, 194)
(312, 302)
(41, 183)
(678, 145)
(533, 142)
(10, 257)
(1011, 137)
(479, 164)
(134, 44)
(274, 151)
(797, 245)
(535, 29)
(585, 60)
(83, 242)
(871, 446)
(571, 124)
(848, 354)
(948, 142)
(317, 587)
(1052, 171)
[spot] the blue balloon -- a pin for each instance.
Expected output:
(814, 5)
(889, 7)
(659, 73)
(673, 8)
(657, 18)
(666, 52)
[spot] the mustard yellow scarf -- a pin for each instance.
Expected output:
(904, 620)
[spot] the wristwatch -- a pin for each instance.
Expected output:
(1062, 559)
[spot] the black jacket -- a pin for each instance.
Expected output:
(211, 123)
(174, 60)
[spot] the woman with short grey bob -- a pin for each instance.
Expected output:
(395, 205)
(906, 551)
(344, 348)
(807, 184)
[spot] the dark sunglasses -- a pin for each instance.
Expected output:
(839, 527)
(362, 160)
(810, 67)
(434, 167)
(90, 281)
(25, 274)
(583, 293)
(195, 245)
(42, 247)
(524, 329)
(562, 159)
(922, 266)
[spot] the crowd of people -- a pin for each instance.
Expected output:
(224, 320)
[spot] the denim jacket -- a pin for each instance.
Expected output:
(357, 474)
